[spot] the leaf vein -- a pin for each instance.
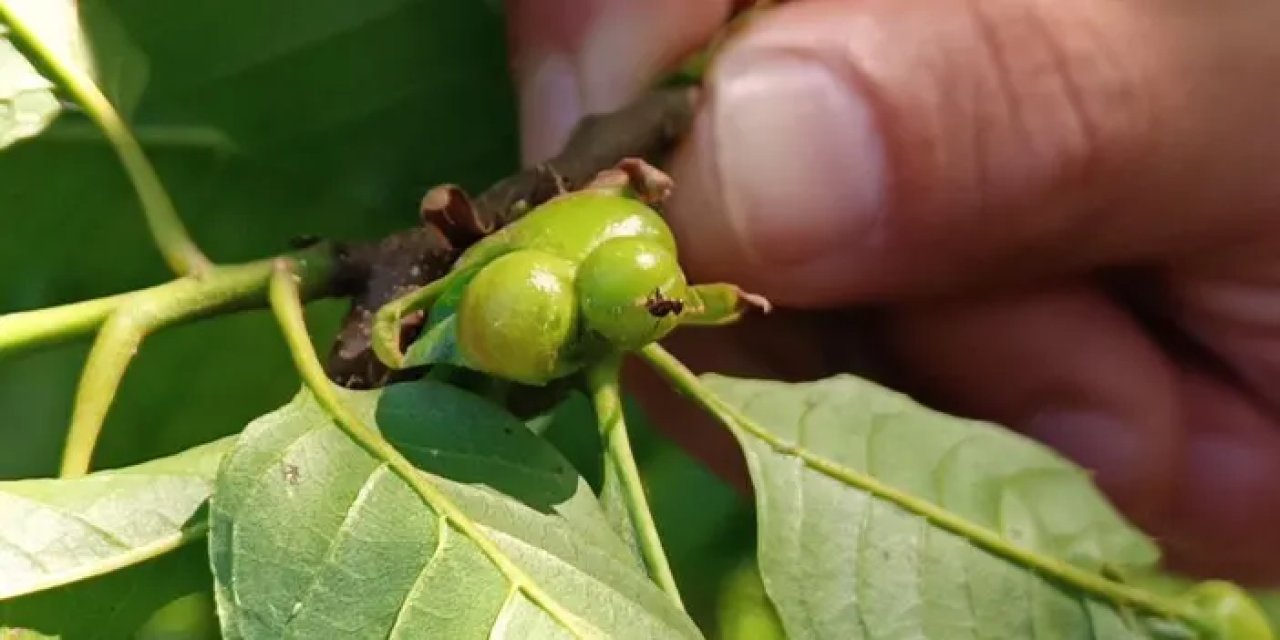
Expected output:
(335, 542)
(442, 538)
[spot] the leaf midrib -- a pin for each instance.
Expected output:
(435, 498)
(133, 555)
(745, 428)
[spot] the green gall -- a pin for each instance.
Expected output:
(631, 291)
(517, 317)
(1229, 610)
(571, 226)
(584, 274)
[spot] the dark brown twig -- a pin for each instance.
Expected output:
(377, 273)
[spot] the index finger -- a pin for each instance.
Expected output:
(575, 57)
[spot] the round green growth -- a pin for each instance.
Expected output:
(601, 255)
(518, 317)
(571, 226)
(587, 273)
(631, 291)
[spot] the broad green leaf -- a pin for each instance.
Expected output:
(265, 120)
(57, 531)
(841, 561)
(136, 602)
(312, 537)
(28, 100)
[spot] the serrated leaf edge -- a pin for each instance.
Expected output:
(744, 428)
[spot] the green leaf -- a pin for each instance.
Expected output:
(28, 100)
(61, 531)
(265, 120)
(311, 536)
(437, 345)
(137, 602)
(880, 518)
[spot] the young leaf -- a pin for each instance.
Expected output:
(312, 537)
(59, 531)
(880, 518)
(122, 604)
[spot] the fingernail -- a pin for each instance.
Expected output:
(1102, 444)
(800, 161)
(550, 105)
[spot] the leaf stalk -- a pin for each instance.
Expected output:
(603, 381)
(25, 330)
(125, 326)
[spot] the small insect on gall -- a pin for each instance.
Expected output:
(660, 306)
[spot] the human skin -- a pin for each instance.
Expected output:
(978, 172)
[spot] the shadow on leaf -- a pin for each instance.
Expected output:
(461, 437)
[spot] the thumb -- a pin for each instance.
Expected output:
(854, 150)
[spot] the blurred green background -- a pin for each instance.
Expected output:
(267, 120)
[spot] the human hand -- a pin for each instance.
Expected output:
(979, 171)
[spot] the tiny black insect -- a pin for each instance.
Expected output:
(660, 306)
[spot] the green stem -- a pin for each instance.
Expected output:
(24, 330)
(112, 351)
(220, 290)
(687, 383)
(602, 378)
(182, 255)
(286, 302)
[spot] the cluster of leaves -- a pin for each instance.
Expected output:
(877, 517)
